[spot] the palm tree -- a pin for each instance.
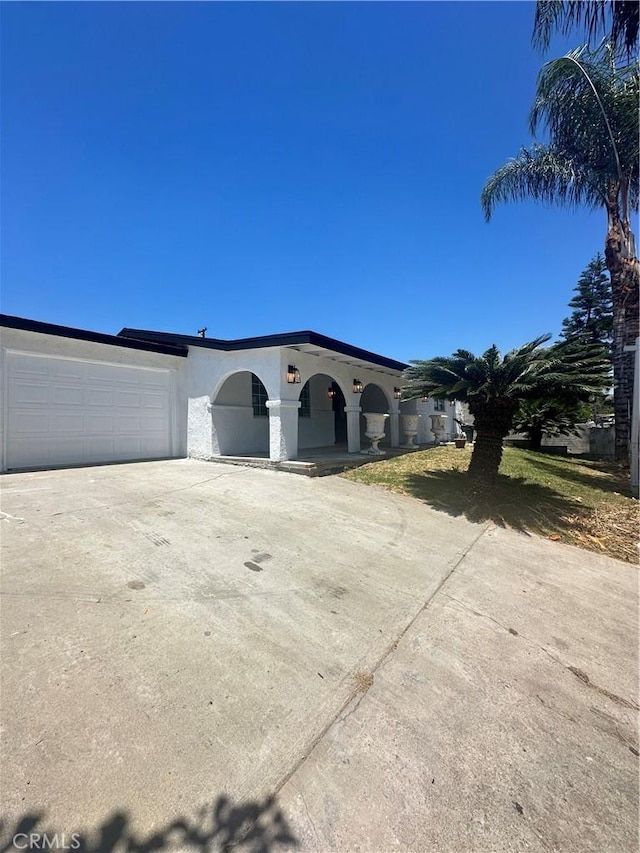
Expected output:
(537, 418)
(494, 386)
(589, 108)
(616, 19)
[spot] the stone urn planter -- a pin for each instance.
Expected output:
(438, 426)
(410, 429)
(374, 432)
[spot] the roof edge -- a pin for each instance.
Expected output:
(9, 321)
(285, 339)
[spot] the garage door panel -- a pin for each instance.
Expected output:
(64, 450)
(23, 423)
(24, 393)
(24, 454)
(71, 412)
(153, 400)
(153, 424)
(126, 423)
(62, 424)
(98, 397)
(26, 365)
(99, 425)
(94, 372)
(62, 370)
(127, 446)
(100, 446)
(66, 396)
(127, 398)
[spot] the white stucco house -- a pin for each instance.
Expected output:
(70, 396)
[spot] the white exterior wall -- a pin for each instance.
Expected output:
(207, 371)
(36, 343)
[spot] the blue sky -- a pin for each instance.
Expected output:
(261, 168)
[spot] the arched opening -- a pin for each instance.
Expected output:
(374, 399)
(321, 416)
(240, 418)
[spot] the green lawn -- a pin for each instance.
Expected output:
(577, 501)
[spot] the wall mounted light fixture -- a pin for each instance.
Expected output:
(397, 393)
(357, 386)
(293, 375)
(331, 392)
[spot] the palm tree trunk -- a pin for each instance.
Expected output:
(493, 420)
(624, 272)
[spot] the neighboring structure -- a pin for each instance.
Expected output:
(72, 397)
(597, 442)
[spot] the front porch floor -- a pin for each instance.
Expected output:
(316, 461)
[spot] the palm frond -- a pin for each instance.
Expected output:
(544, 173)
(617, 18)
(568, 368)
(590, 107)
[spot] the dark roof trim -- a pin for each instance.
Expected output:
(284, 340)
(26, 325)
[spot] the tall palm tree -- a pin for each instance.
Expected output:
(619, 20)
(588, 106)
(493, 386)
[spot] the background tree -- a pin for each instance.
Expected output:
(592, 316)
(592, 321)
(493, 386)
(616, 20)
(537, 418)
(589, 109)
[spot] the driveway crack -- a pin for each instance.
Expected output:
(386, 655)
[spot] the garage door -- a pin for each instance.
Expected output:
(67, 412)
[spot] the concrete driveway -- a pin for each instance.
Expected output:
(202, 657)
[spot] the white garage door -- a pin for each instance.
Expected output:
(67, 412)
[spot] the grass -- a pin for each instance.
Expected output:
(576, 501)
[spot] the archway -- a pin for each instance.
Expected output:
(239, 416)
(321, 416)
(374, 399)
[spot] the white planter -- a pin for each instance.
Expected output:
(374, 432)
(410, 429)
(438, 426)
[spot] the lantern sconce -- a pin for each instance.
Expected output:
(293, 375)
(424, 398)
(331, 392)
(357, 386)
(397, 393)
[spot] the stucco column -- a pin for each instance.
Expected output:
(394, 427)
(353, 428)
(283, 429)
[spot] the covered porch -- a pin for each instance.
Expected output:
(306, 404)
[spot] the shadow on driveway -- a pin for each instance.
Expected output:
(253, 827)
